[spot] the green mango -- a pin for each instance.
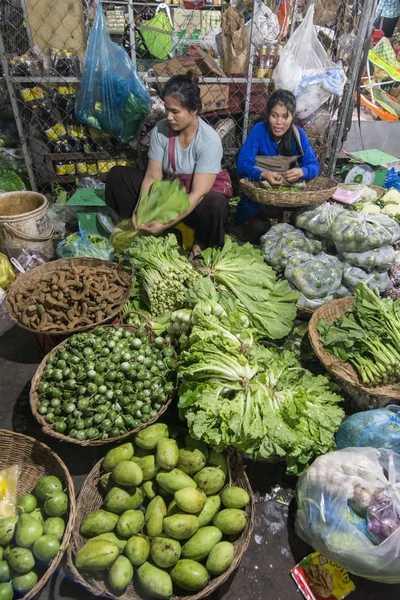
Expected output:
(167, 454)
(21, 560)
(96, 555)
(22, 584)
(116, 455)
(150, 489)
(174, 480)
(137, 549)
(165, 552)
(4, 571)
(28, 531)
(120, 574)
(173, 508)
(210, 480)
(54, 526)
(198, 444)
(6, 591)
(1, 552)
(119, 500)
(211, 507)
(220, 558)
(130, 523)
(97, 522)
(190, 575)
(218, 459)
(37, 515)
(149, 466)
(106, 481)
(127, 473)
(149, 437)
(111, 537)
(7, 529)
(190, 500)
(235, 497)
(154, 516)
(180, 527)
(140, 452)
(201, 543)
(230, 521)
(191, 460)
(154, 581)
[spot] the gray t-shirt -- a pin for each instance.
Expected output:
(203, 155)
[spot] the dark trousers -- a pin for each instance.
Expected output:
(387, 24)
(209, 219)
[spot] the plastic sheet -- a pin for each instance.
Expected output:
(352, 276)
(314, 276)
(378, 428)
(358, 232)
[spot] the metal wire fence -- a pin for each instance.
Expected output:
(43, 42)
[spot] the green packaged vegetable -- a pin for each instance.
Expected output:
(318, 220)
(280, 242)
(314, 276)
(85, 244)
(379, 259)
(358, 232)
(352, 276)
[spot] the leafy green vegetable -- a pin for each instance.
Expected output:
(164, 203)
(10, 181)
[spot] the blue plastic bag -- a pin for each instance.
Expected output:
(112, 98)
(379, 428)
(392, 179)
(85, 244)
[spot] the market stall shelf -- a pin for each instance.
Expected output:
(90, 499)
(365, 397)
(36, 460)
(315, 192)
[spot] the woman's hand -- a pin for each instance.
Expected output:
(153, 227)
(272, 178)
(134, 222)
(293, 175)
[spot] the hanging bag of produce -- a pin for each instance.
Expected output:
(157, 34)
(112, 98)
(305, 69)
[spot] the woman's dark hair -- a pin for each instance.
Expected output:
(185, 90)
(286, 99)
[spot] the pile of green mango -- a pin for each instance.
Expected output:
(164, 516)
(30, 541)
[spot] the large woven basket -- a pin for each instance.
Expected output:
(37, 460)
(316, 191)
(90, 499)
(380, 395)
(34, 402)
(28, 279)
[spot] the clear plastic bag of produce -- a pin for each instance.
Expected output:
(320, 244)
(30, 259)
(313, 303)
(8, 491)
(348, 508)
(280, 242)
(314, 276)
(352, 276)
(378, 259)
(85, 244)
(111, 98)
(358, 232)
(318, 220)
(379, 428)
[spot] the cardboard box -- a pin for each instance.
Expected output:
(214, 97)
(205, 65)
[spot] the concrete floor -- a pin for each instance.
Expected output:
(264, 573)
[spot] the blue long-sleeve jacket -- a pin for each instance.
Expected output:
(259, 142)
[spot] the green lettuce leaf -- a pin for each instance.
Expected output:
(164, 203)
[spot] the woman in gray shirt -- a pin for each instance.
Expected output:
(181, 145)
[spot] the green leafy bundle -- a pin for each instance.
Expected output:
(270, 304)
(164, 203)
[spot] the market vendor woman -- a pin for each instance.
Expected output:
(181, 145)
(275, 151)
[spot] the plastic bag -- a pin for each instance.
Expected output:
(313, 303)
(320, 244)
(280, 242)
(352, 276)
(379, 428)
(123, 236)
(392, 179)
(8, 491)
(379, 259)
(111, 98)
(318, 220)
(305, 69)
(342, 500)
(314, 276)
(265, 26)
(7, 274)
(85, 244)
(157, 34)
(30, 259)
(358, 232)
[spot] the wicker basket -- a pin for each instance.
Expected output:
(381, 395)
(29, 279)
(318, 190)
(90, 499)
(36, 461)
(34, 402)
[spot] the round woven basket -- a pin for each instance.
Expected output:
(316, 191)
(344, 372)
(90, 499)
(34, 402)
(30, 278)
(37, 460)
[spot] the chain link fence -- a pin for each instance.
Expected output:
(43, 42)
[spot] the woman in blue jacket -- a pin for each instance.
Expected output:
(275, 151)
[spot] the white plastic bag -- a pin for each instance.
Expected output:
(305, 69)
(265, 27)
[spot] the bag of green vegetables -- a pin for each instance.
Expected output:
(379, 259)
(358, 232)
(314, 276)
(352, 276)
(318, 220)
(85, 244)
(280, 242)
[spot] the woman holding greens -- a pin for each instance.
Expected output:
(183, 146)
